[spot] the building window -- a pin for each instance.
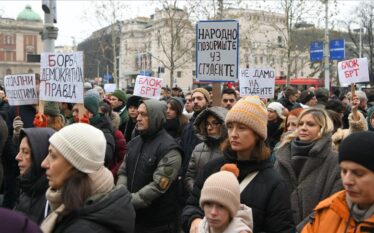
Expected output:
(261, 60)
(30, 71)
(280, 42)
(179, 74)
(8, 71)
(194, 73)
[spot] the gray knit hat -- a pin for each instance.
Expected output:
(82, 145)
(223, 188)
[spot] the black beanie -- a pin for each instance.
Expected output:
(359, 148)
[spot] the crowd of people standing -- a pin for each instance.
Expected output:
(123, 163)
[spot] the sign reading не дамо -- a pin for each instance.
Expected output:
(257, 81)
(353, 71)
(21, 89)
(217, 50)
(61, 77)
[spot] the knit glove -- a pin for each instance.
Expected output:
(17, 125)
(84, 119)
(40, 120)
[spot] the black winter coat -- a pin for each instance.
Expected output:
(113, 213)
(267, 195)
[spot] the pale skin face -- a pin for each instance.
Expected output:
(291, 123)
(142, 119)
(199, 102)
(372, 121)
(213, 127)
(228, 100)
(58, 169)
(217, 216)
(242, 139)
(115, 102)
(272, 115)
(358, 181)
(312, 102)
(308, 129)
(189, 104)
(133, 112)
(24, 156)
(170, 113)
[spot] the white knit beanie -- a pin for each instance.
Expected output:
(82, 145)
(223, 188)
(278, 108)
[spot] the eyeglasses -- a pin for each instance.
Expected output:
(228, 100)
(212, 124)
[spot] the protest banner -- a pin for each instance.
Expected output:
(21, 89)
(353, 71)
(149, 87)
(62, 77)
(217, 50)
(257, 81)
(109, 87)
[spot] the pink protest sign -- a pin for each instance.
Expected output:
(353, 71)
(148, 87)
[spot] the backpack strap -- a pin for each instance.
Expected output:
(247, 180)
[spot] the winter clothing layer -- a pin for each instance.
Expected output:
(334, 215)
(202, 91)
(14, 222)
(266, 195)
(109, 212)
(119, 153)
(209, 148)
(11, 171)
(358, 148)
(33, 184)
(311, 171)
(288, 104)
(274, 131)
(3, 138)
(354, 126)
(123, 114)
(241, 222)
(86, 157)
(103, 123)
(150, 171)
(188, 142)
(251, 112)
(223, 188)
(370, 116)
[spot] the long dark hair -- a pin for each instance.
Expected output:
(75, 192)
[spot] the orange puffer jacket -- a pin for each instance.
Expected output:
(332, 215)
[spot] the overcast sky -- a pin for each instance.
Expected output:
(73, 24)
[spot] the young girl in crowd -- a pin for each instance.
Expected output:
(220, 201)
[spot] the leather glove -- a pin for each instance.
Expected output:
(17, 125)
(40, 120)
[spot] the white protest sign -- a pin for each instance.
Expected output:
(353, 71)
(257, 81)
(148, 87)
(21, 89)
(217, 50)
(109, 87)
(62, 77)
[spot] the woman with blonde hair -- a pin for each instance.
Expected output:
(307, 162)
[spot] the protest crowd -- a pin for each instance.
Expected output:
(302, 161)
